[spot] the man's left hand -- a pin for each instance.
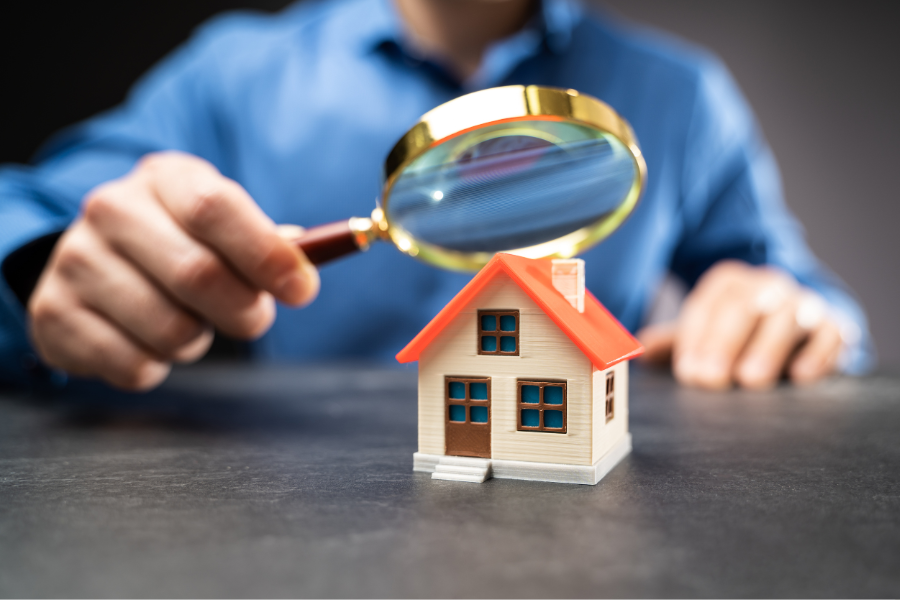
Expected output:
(747, 325)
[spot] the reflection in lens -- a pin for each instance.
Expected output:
(511, 189)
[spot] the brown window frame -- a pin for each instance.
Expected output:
(497, 333)
(610, 396)
(468, 401)
(541, 406)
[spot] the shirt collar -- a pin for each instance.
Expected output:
(552, 27)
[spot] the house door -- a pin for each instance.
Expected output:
(467, 416)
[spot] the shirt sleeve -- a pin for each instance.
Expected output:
(176, 106)
(732, 207)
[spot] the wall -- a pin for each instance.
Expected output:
(607, 434)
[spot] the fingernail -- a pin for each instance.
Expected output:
(803, 369)
(151, 374)
(712, 369)
(754, 369)
(685, 367)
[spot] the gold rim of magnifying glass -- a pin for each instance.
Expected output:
(497, 105)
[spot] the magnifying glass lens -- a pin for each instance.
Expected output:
(512, 185)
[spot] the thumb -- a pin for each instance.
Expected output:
(658, 340)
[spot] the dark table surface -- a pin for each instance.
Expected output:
(278, 481)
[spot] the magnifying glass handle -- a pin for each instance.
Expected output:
(327, 242)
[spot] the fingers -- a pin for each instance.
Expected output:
(819, 356)
(763, 361)
(731, 320)
(658, 341)
(219, 213)
(159, 256)
(139, 228)
(717, 320)
(743, 324)
(114, 289)
(77, 340)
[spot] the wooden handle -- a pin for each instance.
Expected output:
(328, 242)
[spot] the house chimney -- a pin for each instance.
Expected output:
(567, 275)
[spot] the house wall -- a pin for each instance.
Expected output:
(544, 352)
(606, 435)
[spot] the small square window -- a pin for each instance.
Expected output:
(531, 394)
(457, 413)
(478, 391)
(457, 390)
(553, 419)
(542, 406)
(553, 394)
(498, 332)
(531, 418)
(478, 414)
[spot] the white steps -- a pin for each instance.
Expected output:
(461, 468)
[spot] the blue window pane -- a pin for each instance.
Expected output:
(507, 323)
(531, 418)
(478, 391)
(553, 418)
(507, 344)
(478, 414)
(552, 395)
(531, 394)
(489, 323)
(457, 390)
(488, 343)
(457, 413)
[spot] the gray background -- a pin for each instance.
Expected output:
(823, 80)
(822, 77)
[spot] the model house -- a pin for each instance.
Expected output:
(523, 375)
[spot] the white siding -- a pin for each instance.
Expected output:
(544, 352)
(606, 435)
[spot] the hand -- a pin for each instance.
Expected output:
(747, 325)
(156, 260)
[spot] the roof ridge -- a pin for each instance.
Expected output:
(589, 331)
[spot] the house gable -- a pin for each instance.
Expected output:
(596, 332)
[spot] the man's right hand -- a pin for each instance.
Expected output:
(156, 260)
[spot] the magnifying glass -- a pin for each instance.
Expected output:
(534, 171)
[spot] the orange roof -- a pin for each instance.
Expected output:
(596, 332)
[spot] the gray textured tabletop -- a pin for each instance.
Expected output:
(238, 481)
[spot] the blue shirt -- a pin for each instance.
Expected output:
(302, 107)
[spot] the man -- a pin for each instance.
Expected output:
(168, 205)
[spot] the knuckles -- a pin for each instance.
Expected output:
(102, 203)
(204, 208)
(73, 255)
(728, 270)
(45, 309)
(157, 163)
